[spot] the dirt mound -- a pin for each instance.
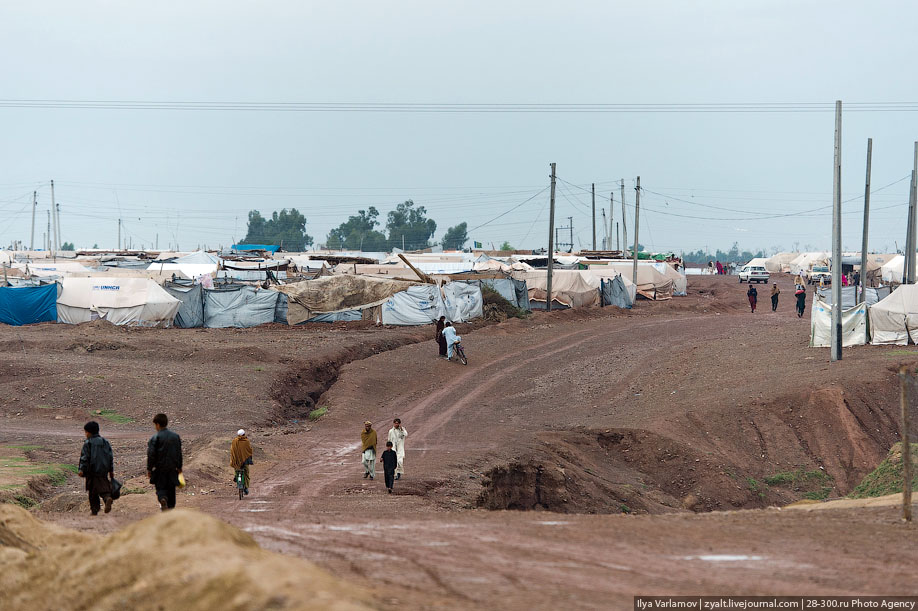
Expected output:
(177, 560)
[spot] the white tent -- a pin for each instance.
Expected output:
(894, 319)
(53, 268)
(891, 272)
(757, 261)
(854, 325)
(780, 262)
(192, 265)
(605, 272)
(806, 261)
(136, 302)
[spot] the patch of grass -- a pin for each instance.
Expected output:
(57, 473)
(818, 495)
(753, 484)
(887, 477)
(113, 416)
(11, 486)
(24, 448)
(24, 501)
(625, 509)
(901, 352)
(797, 477)
(259, 368)
(125, 491)
(318, 413)
(44, 407)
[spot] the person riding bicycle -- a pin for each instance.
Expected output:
(452, 338)
(241, 457)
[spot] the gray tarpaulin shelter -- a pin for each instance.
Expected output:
(615, 293)
(873, 295)
(191, 311)
(239, 306)
(514, 291)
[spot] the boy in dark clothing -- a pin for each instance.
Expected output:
(164, 461)
(389, 459)
(97, 466)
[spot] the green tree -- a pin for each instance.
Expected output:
(456, 237)
(411, 225)
(286, 228)
(358, 233)
(67, 246)
(506, 246)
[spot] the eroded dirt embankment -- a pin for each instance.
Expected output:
(809, 444)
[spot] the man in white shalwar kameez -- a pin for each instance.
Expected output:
(449, 332)
(397, 436)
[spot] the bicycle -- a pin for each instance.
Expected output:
(239, 478)
(460, 353)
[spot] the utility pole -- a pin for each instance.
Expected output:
(119, 235)
(57, 208)
(48, 241)
(913, 214)
(34, 206)
(551, 237)
(624, 219)
(836, 241)
(157, 241)
(904, 378)
(594, 216)
(617, 245)
(611, 218)
(863, 277)
(54, 244)
(637, 212)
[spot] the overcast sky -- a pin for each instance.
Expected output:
(190, 177)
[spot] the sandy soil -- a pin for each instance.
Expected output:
(643, 418)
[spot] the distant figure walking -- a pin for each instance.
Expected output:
(753, 296)
(800, 293)
(368, 449)
(441, 341)
(241, 457)
(164, 462)
(389, 459)
(97, 467)
(720, 268)
(397, 436)
(775, 291)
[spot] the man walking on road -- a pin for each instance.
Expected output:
(164, 461)
(775, 291)
(397, 436)
(368, 450)
(97, 466)
(753, 296)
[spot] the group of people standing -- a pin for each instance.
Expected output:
(799, 292)
(393, 458)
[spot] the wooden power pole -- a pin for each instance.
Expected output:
(862, 282)
(551, 237)
(912, 242)
(624, 220)
(611, 218)
(34, 206)
(836, 241)
(904, 378)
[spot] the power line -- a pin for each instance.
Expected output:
(526, 201)
(439, 107)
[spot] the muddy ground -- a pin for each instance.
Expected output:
(649, 419)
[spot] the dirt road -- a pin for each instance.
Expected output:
(672, 408)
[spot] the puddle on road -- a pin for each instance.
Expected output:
(553, 523)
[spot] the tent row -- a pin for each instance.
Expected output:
(892, 319)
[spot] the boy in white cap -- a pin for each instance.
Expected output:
(241, 456)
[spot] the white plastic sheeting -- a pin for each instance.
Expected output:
(894, 319)
(121, 301)
(419, 305)
(854, 325)
(462, 301)
(891, 272)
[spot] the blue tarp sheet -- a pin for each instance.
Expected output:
(24, 305)
(269, 248)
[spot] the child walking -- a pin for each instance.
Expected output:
(389, 459)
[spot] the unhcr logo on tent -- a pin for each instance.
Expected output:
(106, 287)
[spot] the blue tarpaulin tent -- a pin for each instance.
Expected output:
(24, 305)
(266, 247)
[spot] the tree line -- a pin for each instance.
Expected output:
(407, 227)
